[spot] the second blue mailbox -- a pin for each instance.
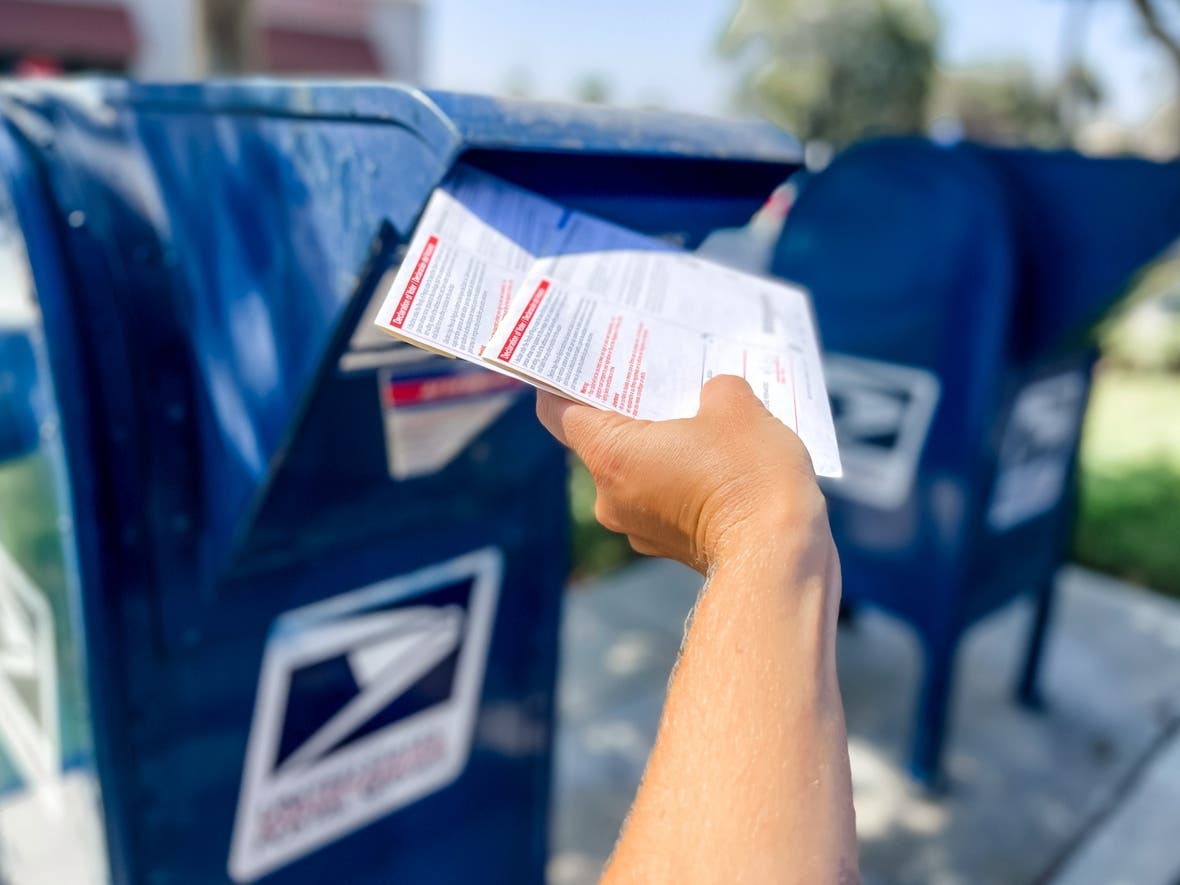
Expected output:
(957, 289)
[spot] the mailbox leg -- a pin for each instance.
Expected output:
(930, 721)
(1028, 689)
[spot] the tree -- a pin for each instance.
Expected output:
(1004, 103)
(835, 70)
(229, 35)
(519, 83)
(592, 89)
(1151, 13)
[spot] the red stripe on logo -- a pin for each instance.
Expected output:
(416, 391)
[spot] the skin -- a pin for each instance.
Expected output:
(749, 779)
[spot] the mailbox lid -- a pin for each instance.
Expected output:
(673, 174)
(471, 121)
(1082, 227)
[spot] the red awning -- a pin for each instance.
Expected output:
(74, 32)
(286, 50)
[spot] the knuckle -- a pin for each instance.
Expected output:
(806, 498)
(731, 400)
(642, 546)
(606, 462)
(607, 515)
(815, 501)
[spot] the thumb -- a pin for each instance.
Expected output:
(573, 424)
(726, 392)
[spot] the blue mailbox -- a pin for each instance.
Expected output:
(957, 290)
(279, 596)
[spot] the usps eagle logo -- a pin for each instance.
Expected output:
(882, 412)
(366, 703)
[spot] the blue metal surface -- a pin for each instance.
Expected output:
(986, 270)
(46, 743)
(217, 247)
(18, 417)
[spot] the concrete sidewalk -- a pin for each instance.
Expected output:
(1086, 792)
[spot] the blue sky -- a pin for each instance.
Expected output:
(662, 51)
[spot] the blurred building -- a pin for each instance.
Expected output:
(168, 40)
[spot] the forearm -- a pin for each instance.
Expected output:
(749, 778)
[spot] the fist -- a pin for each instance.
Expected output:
(695, 489)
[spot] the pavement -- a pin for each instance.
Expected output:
(53, 833)
(1086, 791)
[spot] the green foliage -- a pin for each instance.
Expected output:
(595, 550)
(1004, 103)
(836, 70)
(1148, 339)
(1129, 524)
(842, 70)
(1129, 512)
(30, 533)
(28, 521)
(593, 89)
(1145, 334)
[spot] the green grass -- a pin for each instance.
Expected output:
(29, 533)
(1129, 514)
(595, 550)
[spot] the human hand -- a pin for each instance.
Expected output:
(690, 489)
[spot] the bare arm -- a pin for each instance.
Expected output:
(749, 778)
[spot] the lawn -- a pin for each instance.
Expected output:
(595, 550)
(1129, 518)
